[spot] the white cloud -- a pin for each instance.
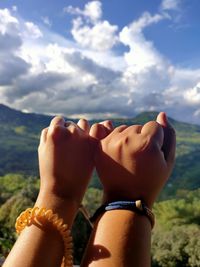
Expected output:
(92, 11)
(8, 23)
(50, 74)
(14, 8)
(193, 95)
(11, 65)
(89, 30)
(145, 20)
(101, 36)
(142, 53)
(170, 4)
(32, 30)
(46, 21)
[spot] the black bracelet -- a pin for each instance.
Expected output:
(136, 206)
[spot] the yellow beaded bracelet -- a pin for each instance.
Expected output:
(38, 217)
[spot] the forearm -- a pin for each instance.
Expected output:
(38, 247)
(120, 238)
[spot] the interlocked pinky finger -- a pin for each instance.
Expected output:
(71, 127)
(98, 131)
(108, 125)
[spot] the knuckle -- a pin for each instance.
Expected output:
(120, 142)
(43, 131)
(94, 129)
(108, 123)
(119, 128)
(56, 118)
(122, 126)
(73, 129)
(55, 131)
(125, 140)
(95, 126)
(135, 128)
(83, 120)
(154, 124)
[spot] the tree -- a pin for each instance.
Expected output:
(177, 247)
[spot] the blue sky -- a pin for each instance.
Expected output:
(108, 58)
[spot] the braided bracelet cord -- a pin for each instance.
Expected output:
(38, 216)
(136, 206)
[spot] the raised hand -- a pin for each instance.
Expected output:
(66, 154)
(134, 162)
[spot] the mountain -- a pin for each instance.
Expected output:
(19, 137)
(19, 133)
(11, 117)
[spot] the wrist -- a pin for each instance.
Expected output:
(136, 206)
(65, 208)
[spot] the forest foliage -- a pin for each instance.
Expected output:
(175, 238)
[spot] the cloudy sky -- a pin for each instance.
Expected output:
(98, 59)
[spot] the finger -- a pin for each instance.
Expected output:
(84, 125)
(134, 129)
(71, 127)
(43, 136)
(108, 124)
(56, 123)
(58, 120)
(98, 131)
(120, 128)
(162, 119)
(155, 131)
(169, 143)
(68, 123)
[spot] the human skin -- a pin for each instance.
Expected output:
(61, 150)
(133, 163)
(63, 185)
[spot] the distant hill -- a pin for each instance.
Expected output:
(19, 133)
(15, 118)
(19, 137)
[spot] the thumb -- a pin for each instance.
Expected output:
(169, 143)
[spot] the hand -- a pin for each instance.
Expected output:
(66, 162)
(134, 162)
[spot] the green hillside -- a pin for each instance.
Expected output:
(19, 137)
(175, 238)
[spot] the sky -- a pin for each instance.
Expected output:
(101, 59)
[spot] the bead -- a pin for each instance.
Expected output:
(138, 204)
